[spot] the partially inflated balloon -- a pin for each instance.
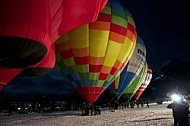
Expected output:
(135, 84)
(131, 71)
(29, 28)
(25, 33)
(145, 84)
(92, 55)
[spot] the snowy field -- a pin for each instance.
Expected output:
(155, 115)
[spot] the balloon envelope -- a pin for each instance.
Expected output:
(145, 84)
(135, 84)
(25, 33)
(28, 30)
(131, 71)
(91, 55)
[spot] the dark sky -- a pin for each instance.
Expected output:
(164, 25)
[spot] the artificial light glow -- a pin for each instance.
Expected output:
(175, 97)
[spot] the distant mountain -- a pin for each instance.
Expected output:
(172, 76)
(172, 68)
(51, 84)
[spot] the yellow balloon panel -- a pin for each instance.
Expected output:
(79, 37)
(112, 53)
(125, 52)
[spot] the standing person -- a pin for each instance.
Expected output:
(141, 102)
(137, 103)
(147, 104)
(184, 120)
(85, 109)
(131, 104)
(127, 103)
(91, 108)
(97, 110)
(180, 113)
(175, 112)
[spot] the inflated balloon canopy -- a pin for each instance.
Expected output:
(92, 55)
(29, 28)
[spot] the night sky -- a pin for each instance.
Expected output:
(164, 26)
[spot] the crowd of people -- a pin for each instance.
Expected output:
(91, 109)
(127, 104)
(94, 109)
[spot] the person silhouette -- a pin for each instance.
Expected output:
(180, 112)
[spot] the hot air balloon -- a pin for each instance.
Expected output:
(91, 55)
(131, 71)
(135, 84)
(145, 84)
(28, 30)
(25, 33)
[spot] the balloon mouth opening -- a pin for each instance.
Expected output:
(90, 94)
(18, 52)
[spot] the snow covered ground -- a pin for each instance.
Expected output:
(155, 115)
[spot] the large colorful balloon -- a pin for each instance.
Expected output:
(132, 69)
(92, 55)
(145, 84)
(28, 29)
(135, 84)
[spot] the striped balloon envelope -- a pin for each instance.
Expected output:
(135, 84)
(92, 55)
(145, 84)
(131, 71)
